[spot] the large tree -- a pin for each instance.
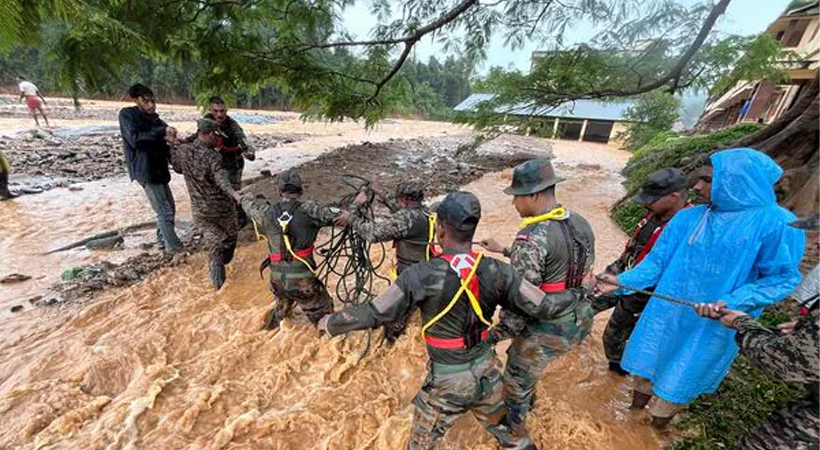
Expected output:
(301, 45)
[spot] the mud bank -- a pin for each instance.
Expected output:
(45, 159)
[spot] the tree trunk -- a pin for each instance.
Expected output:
(792, 141)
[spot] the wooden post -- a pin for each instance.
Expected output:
(555, 128)
(583, 130)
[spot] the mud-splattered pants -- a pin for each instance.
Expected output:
(450, 391)
(621, 324)
(529, 355)
(309, 293)
(219, 234)
(794, 427)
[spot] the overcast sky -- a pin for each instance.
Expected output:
(743, 17)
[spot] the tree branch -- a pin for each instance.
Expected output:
(448, 17)
(674, 73)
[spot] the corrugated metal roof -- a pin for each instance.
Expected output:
(578, 109)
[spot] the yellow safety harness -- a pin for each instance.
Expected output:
(431, 235)
(284, 219)
(463, 289)
(558, 212)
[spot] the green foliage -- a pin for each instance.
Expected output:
(628, 215)
(676, 152)
(759, 57)
(652, 113)
(746, 397)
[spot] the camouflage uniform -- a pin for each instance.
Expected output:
(232, 147)
(409, 229)
(465, 376)
(793, 358)
(553, 254)
(212, 206)
(291, 281)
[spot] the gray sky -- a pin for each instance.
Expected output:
(742, 17)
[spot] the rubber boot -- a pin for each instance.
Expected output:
(639, 400)
(660, 423)
(616, 368)
(273, 320)
(5, 193)
(217, 273)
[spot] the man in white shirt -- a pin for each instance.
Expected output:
(34, 99)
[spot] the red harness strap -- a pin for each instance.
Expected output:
(277, 257)
(551, 288)
(451, 344)
(462, 264)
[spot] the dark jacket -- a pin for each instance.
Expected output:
(143, 140)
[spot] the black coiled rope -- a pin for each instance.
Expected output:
(347, 255)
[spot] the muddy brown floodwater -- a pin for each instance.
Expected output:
(170, 364)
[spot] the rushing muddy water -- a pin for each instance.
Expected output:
(170, 364)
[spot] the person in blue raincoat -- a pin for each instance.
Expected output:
(737, 249)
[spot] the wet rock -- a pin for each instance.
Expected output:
(266, 173)
(14, 278)
(16, 308)
(75, 188)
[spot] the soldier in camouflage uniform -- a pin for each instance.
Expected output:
(409, 228)
(232, 146)
(457, 292)
(290, 227)
(554, 250)
(213, 199)
(663, 194)
(789, 354)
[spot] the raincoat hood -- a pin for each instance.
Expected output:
(743, 178)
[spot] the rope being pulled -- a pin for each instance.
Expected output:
(668, 298)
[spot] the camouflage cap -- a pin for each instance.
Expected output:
(533, 176)
(461, 210)
(659, 183)
(206, 125)
(412, 189)
(809, 223)
(290, 181)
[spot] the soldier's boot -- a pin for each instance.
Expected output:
(273, 320)
(5, 193)
(660, 423)
(216, 270)
(639, 400)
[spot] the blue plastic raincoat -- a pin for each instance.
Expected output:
(739, 250)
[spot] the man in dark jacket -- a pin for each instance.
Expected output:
(144, 138)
